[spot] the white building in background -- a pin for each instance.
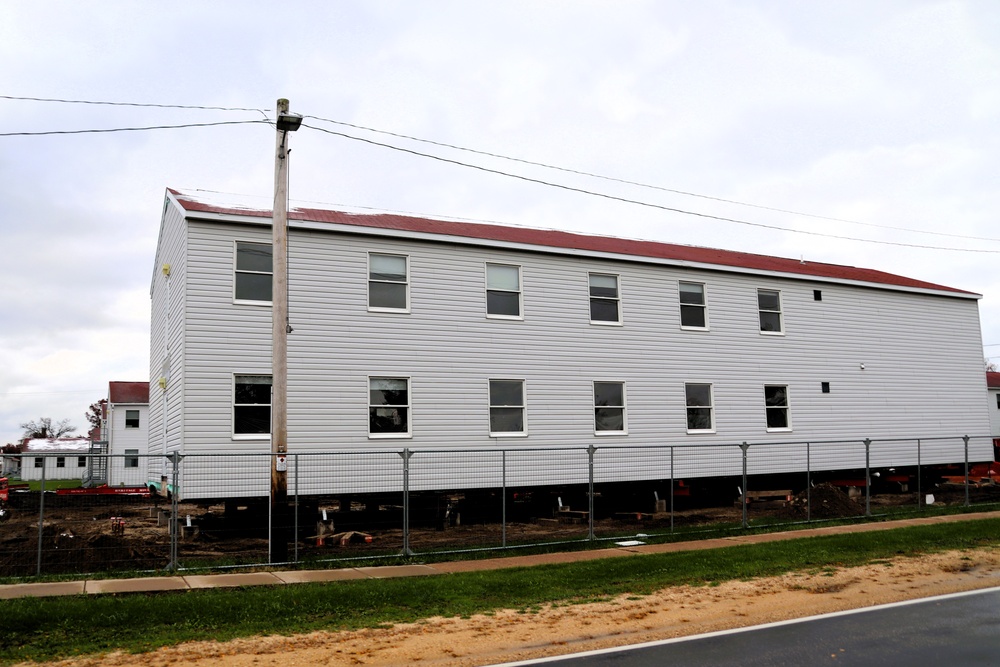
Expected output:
(126, 431)
(993, 387)
(434, 335)
(56, 458)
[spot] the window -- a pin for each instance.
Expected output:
(252, 406)
(699, 407)
(507, 407)
(60, 461)
(131, 458)
(131, 419)
(824, 387)
(503, 290)
(998, 401)
(694, 314)
(38, 461)
(769, 307)
(609, 407)
(776, 407)
(388, 407)
(388, 283)
(604, 299)
(81, 462)
(817, 295)
(253, 272)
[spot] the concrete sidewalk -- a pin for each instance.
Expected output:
(196, 581)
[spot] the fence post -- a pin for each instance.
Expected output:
(808, 482)
(743, 495)
(175, 459)
(590, 492)
(295, 519)
(868, 477)
(41, 518)
(965, 439)
(671, 488)
(920, 495)
(503, 501)
(406, 454)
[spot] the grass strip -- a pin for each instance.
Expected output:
(51, 628)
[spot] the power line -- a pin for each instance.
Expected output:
(640, 202)
(132, 104)
(130, 129)
(647, 185)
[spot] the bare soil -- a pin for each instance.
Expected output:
(521, 634)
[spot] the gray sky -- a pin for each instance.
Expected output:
(884, 116)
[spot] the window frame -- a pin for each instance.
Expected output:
(131, 459)
(617, 299)
(523, 433)
(81, 462)
(780, 313)
(711, 407)
(623, 407)
(233, 405)
(787, 407)
(703, 305)
(39, 462)
(60, 461)
(137, 418)
(236, 271)
(405, 283)
(408, 406)
(519, 292)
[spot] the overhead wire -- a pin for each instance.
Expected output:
(130, 129)
(638, 202)
(132, 104)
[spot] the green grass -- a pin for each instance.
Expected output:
(52, 628)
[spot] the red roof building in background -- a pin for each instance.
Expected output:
(128, 392)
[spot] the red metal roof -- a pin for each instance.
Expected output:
(128, 392)
(993, 380)
(568, 240)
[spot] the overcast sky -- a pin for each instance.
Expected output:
(880, 120)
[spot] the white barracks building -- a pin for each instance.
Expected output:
(433, 335)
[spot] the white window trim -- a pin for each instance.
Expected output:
(704, 306)
(232, 408)
(624, 385)
(788, 407)
(252, 302)
(126, 418)
(780, 311)
(520, 292)
(409, 406)
(524, 409)
(368, 284)
(711, 397)
(621, 308)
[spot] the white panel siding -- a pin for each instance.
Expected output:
(922, 361)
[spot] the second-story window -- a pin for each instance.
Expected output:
(131, 419)
(605, 301)
(503, 291)
(769, 308)
(388, 283)
(252, 278)
(694, 313)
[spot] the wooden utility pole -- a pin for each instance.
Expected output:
(279, 345)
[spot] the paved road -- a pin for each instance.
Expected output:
(961, 630)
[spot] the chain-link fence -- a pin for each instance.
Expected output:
(86, 513)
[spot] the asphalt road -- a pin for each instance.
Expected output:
(952, 630)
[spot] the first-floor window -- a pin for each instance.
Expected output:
(776, 406)
(60, 461)
(507, 407)
(131, 458)
(252, 405)
(609, 407)
(699, 407)
(388, 407)
(81, 462)
(38, 461)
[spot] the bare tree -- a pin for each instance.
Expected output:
(44, 428)
(95, 413)
(991, 366)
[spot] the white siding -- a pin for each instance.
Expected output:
(994, 408)
(922, 358)
(122, 439)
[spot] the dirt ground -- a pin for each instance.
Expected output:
(511, 635)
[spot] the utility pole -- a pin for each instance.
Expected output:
(278, 552)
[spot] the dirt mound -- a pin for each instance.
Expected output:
(824, 501)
